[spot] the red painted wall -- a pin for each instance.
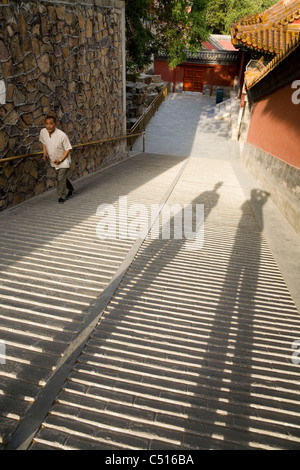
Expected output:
(275, 123)
(223, 74)
(161, 68)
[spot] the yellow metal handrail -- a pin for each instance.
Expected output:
(82, 144)
(142, 122)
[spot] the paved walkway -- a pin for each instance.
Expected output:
(185, 126)
(150, 344)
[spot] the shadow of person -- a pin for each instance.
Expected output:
(177, 226)
(244, 260)
(185, 332)
(177, 344)
(209, 199)
(229, 384)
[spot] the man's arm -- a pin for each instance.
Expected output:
(61, 159)
(45, 153)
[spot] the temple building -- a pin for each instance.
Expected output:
(215, 65)
(270, 46)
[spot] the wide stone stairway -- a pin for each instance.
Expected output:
(150, 343)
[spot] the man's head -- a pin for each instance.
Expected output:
(50, 124)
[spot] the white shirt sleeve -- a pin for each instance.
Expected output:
(66, 143)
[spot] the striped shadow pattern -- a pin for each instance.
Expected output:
(53, 269)
(194, 351)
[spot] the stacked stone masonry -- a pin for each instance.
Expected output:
(63, 59)
(140, 94)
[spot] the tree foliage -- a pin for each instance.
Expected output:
(221, 13)
(181, 26)
(171, 27)
(141, 42)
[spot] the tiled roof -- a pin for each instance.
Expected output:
(275, 31)
(219, 42)
(271, 31)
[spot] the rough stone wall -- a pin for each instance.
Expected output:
(63, 59)
(139, 96)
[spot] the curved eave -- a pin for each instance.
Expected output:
(257, 77)
(250, 48)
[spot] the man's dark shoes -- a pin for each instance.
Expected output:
(70, 193)
(61, 200)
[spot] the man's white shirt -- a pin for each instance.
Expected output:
(56, 146)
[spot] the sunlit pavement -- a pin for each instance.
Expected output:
(194, 347)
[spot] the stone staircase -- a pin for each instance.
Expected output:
(53, 268)
(194, 349)
(230, 110)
